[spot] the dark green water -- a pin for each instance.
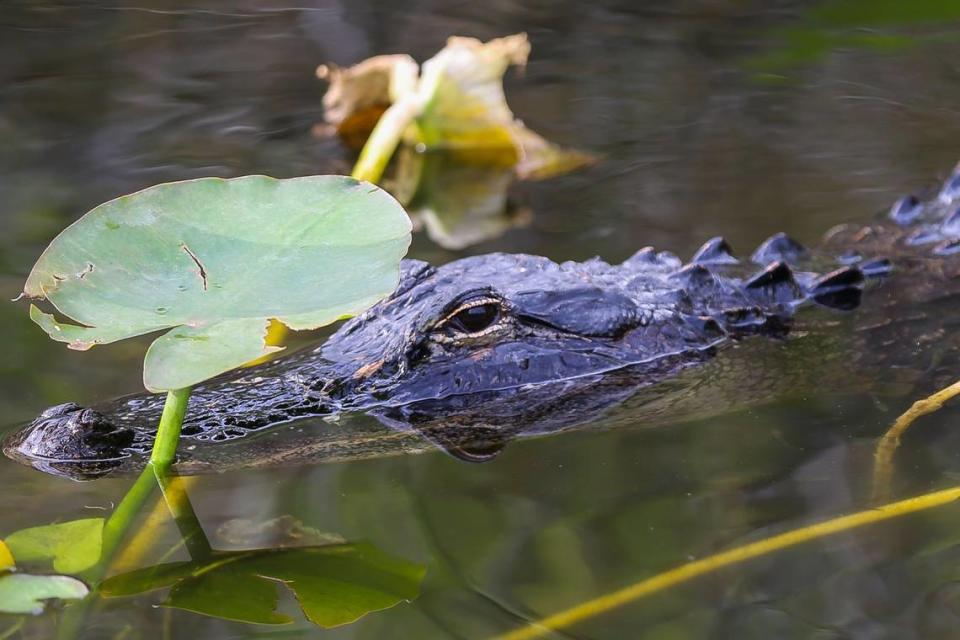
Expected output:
(740, 118)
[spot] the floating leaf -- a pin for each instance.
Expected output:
(158, 576)
(70, 546)
(229, 592)
(338, 584)
(334, 584)
(217, 259)
(24, 593)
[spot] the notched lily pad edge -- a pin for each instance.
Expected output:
(230, 341)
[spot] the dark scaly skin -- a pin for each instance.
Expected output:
(564, 343)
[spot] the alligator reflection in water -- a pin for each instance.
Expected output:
(490, 348)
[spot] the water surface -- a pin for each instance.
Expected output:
(733, 118)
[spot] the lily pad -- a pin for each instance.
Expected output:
(216, 259)
(25, 593)
(334, 584)
(71, 546)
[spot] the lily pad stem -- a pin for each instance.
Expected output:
(385, 137)
(168, 433)
(74, 620)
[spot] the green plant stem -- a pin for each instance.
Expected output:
(168, 433)
(114, 531)
(696, 568)
(887, 446)
(385, 137)
(118, 525)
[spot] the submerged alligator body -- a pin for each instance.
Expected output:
(494, 345)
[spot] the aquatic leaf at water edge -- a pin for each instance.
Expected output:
(214, 260)
(458, 104)
(334, 584)
(70, 546)
(24, 593)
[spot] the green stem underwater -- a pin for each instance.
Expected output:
(114, 531)
(168, 432)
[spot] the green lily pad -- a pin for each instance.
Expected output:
(24, 593)
(334, 584)
(70, 546)
(216, 259)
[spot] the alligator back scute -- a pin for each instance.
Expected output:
(917, 239)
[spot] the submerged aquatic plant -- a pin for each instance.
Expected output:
(334, 584)
(212, 262)
(28, 593)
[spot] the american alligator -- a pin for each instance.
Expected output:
(472, 353)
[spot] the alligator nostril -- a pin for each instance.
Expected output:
(59, 410)
(86, 418)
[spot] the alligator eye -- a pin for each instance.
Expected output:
(474, 317)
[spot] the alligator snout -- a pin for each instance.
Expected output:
(70, 433)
